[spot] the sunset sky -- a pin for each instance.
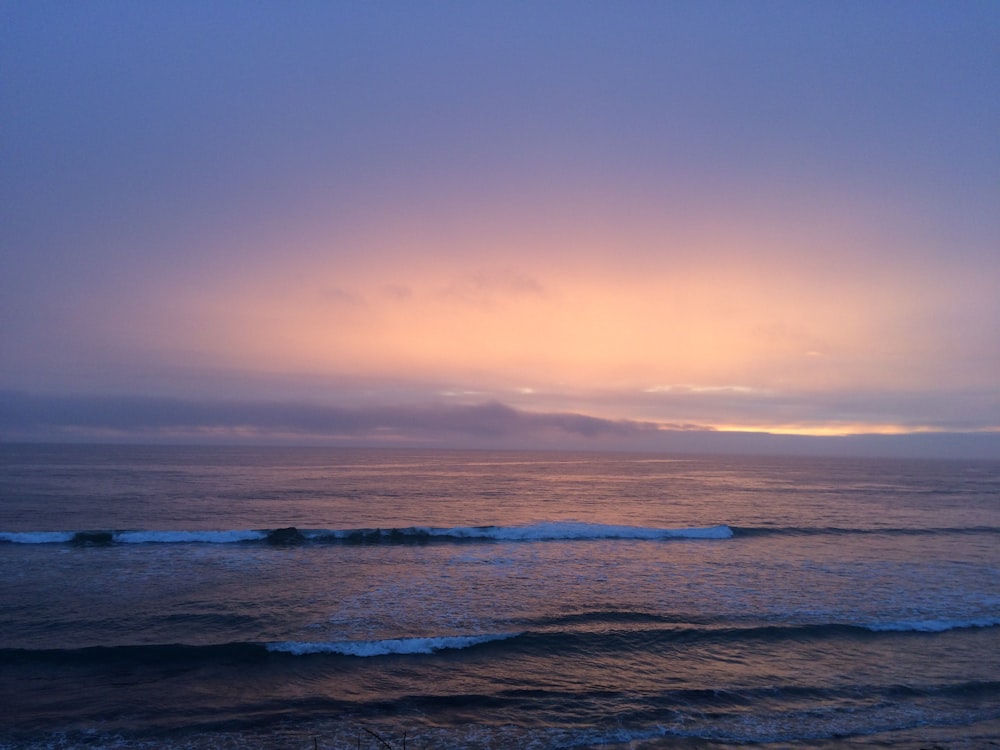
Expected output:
(580, 224)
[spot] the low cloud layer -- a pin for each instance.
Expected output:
(28, 416)
(31, 418)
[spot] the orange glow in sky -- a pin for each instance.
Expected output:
(736, 314)
(660, 214)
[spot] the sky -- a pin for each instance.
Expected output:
(639, 225)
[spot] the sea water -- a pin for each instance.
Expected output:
(251, 597)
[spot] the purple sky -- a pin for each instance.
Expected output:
(635, 225)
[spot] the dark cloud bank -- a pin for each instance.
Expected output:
(32, 418)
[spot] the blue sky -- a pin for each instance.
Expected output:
(771, 217)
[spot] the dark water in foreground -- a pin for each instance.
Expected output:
(494, 600)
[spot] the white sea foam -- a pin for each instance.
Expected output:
(36, 537)
(205, 537)
(575, 530)
(935, 626)
(386, 647)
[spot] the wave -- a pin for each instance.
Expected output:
(751, 531)
(100, 538)
(37, 537)
(630, 635)
(860, 629)
(544, 531)
(856, 629)
(388, 646)
(633, 634)
(537, 532)
(178, 653)
(934, 626)
(573, 530)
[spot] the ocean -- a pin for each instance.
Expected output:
(246, 597)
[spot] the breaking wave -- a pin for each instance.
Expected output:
(388, 646)
(544, 531)
(934, 626)
(618, 634)
(537, 532)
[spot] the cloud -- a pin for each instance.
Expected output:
(337, 296)
(28, 416)
(487, 425)
(397, 292)
(945, 408)
(488, 287)
(690, 388)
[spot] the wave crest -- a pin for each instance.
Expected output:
(386, 647)
(934, 626)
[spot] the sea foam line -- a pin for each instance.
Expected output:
(575, 530)
(188, 537)
(388, 646)
(37, 537)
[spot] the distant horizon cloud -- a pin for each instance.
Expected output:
(136, 415)
(480, 425)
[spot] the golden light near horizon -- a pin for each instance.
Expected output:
(836, 430)
(588, 311)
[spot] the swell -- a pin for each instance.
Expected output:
(631, 634)
(654, 637)
(439, 715)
